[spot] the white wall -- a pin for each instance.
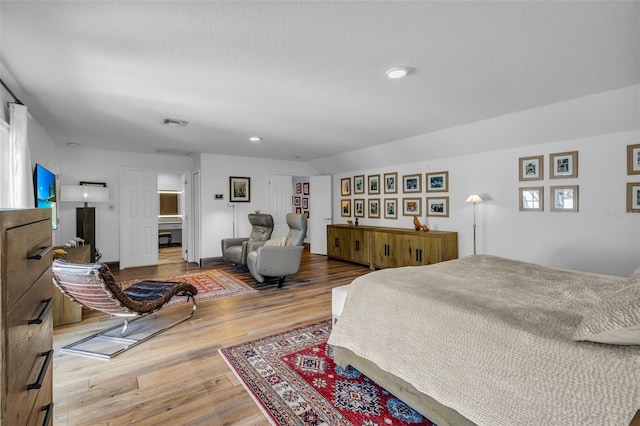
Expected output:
(216, 220)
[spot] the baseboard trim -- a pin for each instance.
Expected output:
(212, 261)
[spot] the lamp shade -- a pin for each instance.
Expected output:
(473, 198)
(84, 193)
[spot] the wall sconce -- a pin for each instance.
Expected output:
(85, 216)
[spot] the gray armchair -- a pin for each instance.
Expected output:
(280, 257)
(235, 250)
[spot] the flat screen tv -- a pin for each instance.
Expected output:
(44, 183)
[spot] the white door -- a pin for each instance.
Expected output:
(320, 212)
(139, 218)
(280, 193)
(194, 229)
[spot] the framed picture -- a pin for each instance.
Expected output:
(374, 184)
(358, 184)
(564, 198)
(411, 183)
(391, 183)
(298, 188)
(532, 199)
(374, 208)
(305, 203)
(296, 201)
(345, 208)
(438, 182)
(306, 213)
(563, 165)
(298, 210)
(633, 159)
(438, 206)
(390, 208)
(239, 189)
(345, 186)
(305, 188)
(530, 168)
(358, 207)
(633, 197)
(412, 206)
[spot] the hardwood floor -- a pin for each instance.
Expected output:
(178, 377)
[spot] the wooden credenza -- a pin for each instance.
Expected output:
(380, 247)
(66, 311)
(26, 343)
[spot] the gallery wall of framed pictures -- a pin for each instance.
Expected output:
(390, 196)
(301, 195)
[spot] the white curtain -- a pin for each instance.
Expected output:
(16, 182)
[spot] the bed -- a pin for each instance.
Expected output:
(491, 341)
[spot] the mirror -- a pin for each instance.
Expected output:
(169, 204)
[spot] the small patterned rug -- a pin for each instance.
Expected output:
(294, 381)
(210, 284)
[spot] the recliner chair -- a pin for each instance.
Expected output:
(235, 250)
(281, 256)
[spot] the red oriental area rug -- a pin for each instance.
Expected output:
(210, 284)
(294, 381)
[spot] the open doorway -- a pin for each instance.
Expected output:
(172, 217)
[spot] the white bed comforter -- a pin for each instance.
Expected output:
(491, 338)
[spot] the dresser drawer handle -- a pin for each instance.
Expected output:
(49, 409)
(43, 312)
(40, 253)
(43, 371)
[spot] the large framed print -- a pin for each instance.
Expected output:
(390, 208)
(531, 168)
(564, 198)
(391, 183)
(633, 159)
(563, 165)
(358, 184)
(411, 184)
(412, 206)
(239, 189)
(633, 197)
(438, 206)
(438, 182)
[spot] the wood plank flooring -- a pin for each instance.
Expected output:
(178, 377)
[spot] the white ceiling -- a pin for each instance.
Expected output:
(306, 76)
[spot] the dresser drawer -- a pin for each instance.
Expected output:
(42, 413)
(22, 272)
(25, 361)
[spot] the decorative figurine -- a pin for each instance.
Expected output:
(419, 226)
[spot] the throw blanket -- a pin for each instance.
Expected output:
(491, 338)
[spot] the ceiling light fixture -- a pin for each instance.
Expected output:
(174, 122)
(255, 139)
(397, 72)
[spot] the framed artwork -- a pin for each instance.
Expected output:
(438, 182)
(412, 206)
(296, 201)
(438, 206)
(564, 198)
(390, 208)
(633, 159)
(306, 213)
(358, 184)
(374, 184)
(411, 184)
(358, 207)
(531, 168)
(633, 197)
(305, 203)
(298, 188)
(298, 210)
(345, 186)
(563, 165)
(305, 188)
(531, 199)
(391, 183)
(239, 189)
(345, 208)
(374, 208)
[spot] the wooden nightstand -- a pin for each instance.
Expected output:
(66, 311)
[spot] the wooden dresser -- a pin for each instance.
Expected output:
(26, 324)
(65, 310)
(380, 247)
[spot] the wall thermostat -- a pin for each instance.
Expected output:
(219, 196)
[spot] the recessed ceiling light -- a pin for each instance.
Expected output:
(255, 139)
(397, 72)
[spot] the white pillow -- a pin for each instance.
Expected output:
(616, 320)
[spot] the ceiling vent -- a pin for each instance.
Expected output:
(174, 122)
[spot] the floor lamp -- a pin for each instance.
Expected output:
(473, 198)
(85, 216)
